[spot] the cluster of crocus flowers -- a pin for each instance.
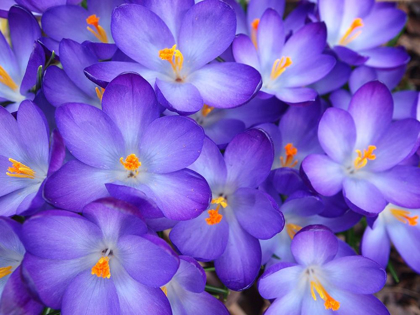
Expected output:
(155, 155)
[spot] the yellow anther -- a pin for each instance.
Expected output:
(6, 79)
(279, 66)
(99, 31)
(330, 303)
(348, 36)
(101, 268)
(291, 151)
(220, 201)
(4, 271)
(175, 58)
(99, 92)
(292, 229)
(131, 162)
(165, 290)
(206, 110)
(254, 30)
(404, 217)
(362, 159)
(20, 170)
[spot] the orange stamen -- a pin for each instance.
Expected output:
(7, 80)
(292, 229)
(214, 216)
(347, 39)
(206, 110)
(254, 29)
(99, 92)
(403, 216)
(330, 303)
(20, 170)
(174, 57)
(99, 31)
(279, 66)
(165, 290)
(101, 268)
(4, 271)
(362, 159)
(291, 151)
(131, 163)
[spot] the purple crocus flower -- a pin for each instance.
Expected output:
(14, 295)
(37, 6)
(69, 84)
(19, 66)
(26, 159)
(175, 52)
(320, 282)
(358, 29)
(186, 292)
(239, 214)
(288, 66)
(103, 262)
(76, 23)
(363, 149)
(128, 144)
(399, 226)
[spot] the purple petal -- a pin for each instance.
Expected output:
(131, 104)
(190, 275)
(376, 244)
(231, 84)
(340, 99)
(148, 260)
(207, 30)
(257, 8)
(296, 95)
(186, 302)
(248, 158)
(331, 12)
(359, 304)
(36, 59)
(90, 135)
(405, 103)
(350, 56)
(386, 57)
(224, 130)
(302, 203)
(335, 79)
(244, 51)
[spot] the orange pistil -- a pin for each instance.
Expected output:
(20, 170)
(101, 268)
(206, 110)
(292, 229)
(291, 151)
(214, 216)
(4, 271)
(403, 216)
(362, 159)
(330, 303)
(99, 31)
(131, 162)
(348, 36)
(279, 66)
(175, 58)
(6, 79)
(254, 29)
(99, 92)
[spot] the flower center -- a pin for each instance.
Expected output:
(99, 31)
(99, 92)
(175, 58)
(101, 268)
(214, 216)
(4, 271)
(206, 110)
(330, 303)
(361, 160)
(131, 164)
(292, 229)
(350, 35)
(254, 29)
(7, 80)
(291, 151)
(404, 217)
(279, 66)
(20, 170)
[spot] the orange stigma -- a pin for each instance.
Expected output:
(4, 271)
(6, 79)
(330, 303)
(362, 160)
(131, 163)
(99, 92)
(291, 151)
(175, 58)
(292, 229)
(99, 31)
(165, 290)
(403, 216)
(348, 36)
(254, 29)
(279, 66)
(214, 216)
(206, 110)
(101, 268)
(20, 170)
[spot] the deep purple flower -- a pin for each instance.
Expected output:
(363, 149)
(358, 29)
(26, 159)
(186, 292)
(320, 282)
(102, 262)
(19, 65)
(239, 214)
(286, 67)
(174, 49)
(14, 295)
(128, 144)
(399, 226)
